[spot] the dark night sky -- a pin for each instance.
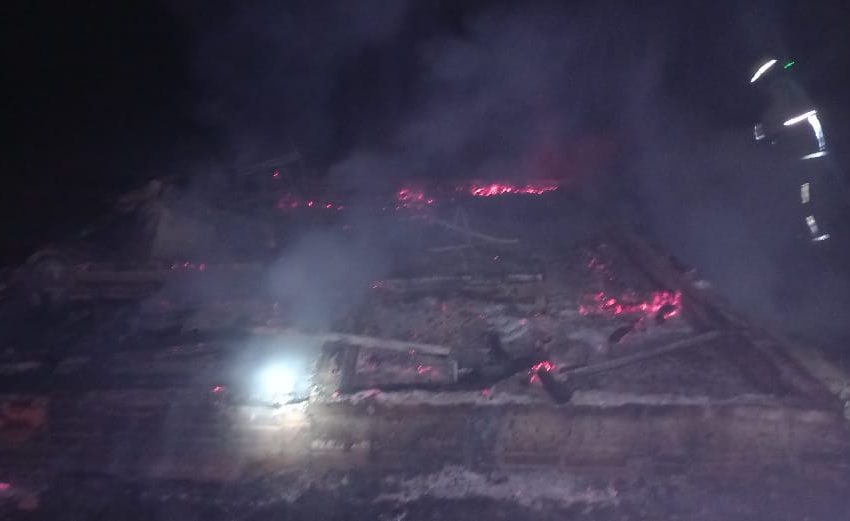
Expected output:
(100, 97)
(107, 94)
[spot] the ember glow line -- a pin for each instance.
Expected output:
(412, 198)
(290, 202)
(495, 189)
(601, 304)
(544, 365)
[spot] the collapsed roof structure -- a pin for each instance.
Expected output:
(428, 328)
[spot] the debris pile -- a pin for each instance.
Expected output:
(477, 338)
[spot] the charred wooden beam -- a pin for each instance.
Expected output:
(470, 233)
(441, 280)
(561, 392)
(348, 370)
(356, 340)
(513, 287)
(706, 311)
(623, 361)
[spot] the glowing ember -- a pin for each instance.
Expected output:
(290, 202)
(545, 365)
(412, 198)
(418, 199)
(601, 304)
(217, 389)
(494, 189)
(667, 312)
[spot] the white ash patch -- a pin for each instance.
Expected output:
(289, 487)
(532, 489)
(509, 328)
(325, 444)
(591, 336)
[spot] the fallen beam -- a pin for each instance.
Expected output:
(705, 311)
(453, 280)
(356, 340)
(471, 233)
(623, 361)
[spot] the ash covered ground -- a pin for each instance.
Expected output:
(452, 493)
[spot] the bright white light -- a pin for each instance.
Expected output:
(815, 155)
(801, 117)
(815, 123)
(761, 70)
(804, 193)
(820, 238)
(758, 132)
(277, 381)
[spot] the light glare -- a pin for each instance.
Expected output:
(277, 381)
